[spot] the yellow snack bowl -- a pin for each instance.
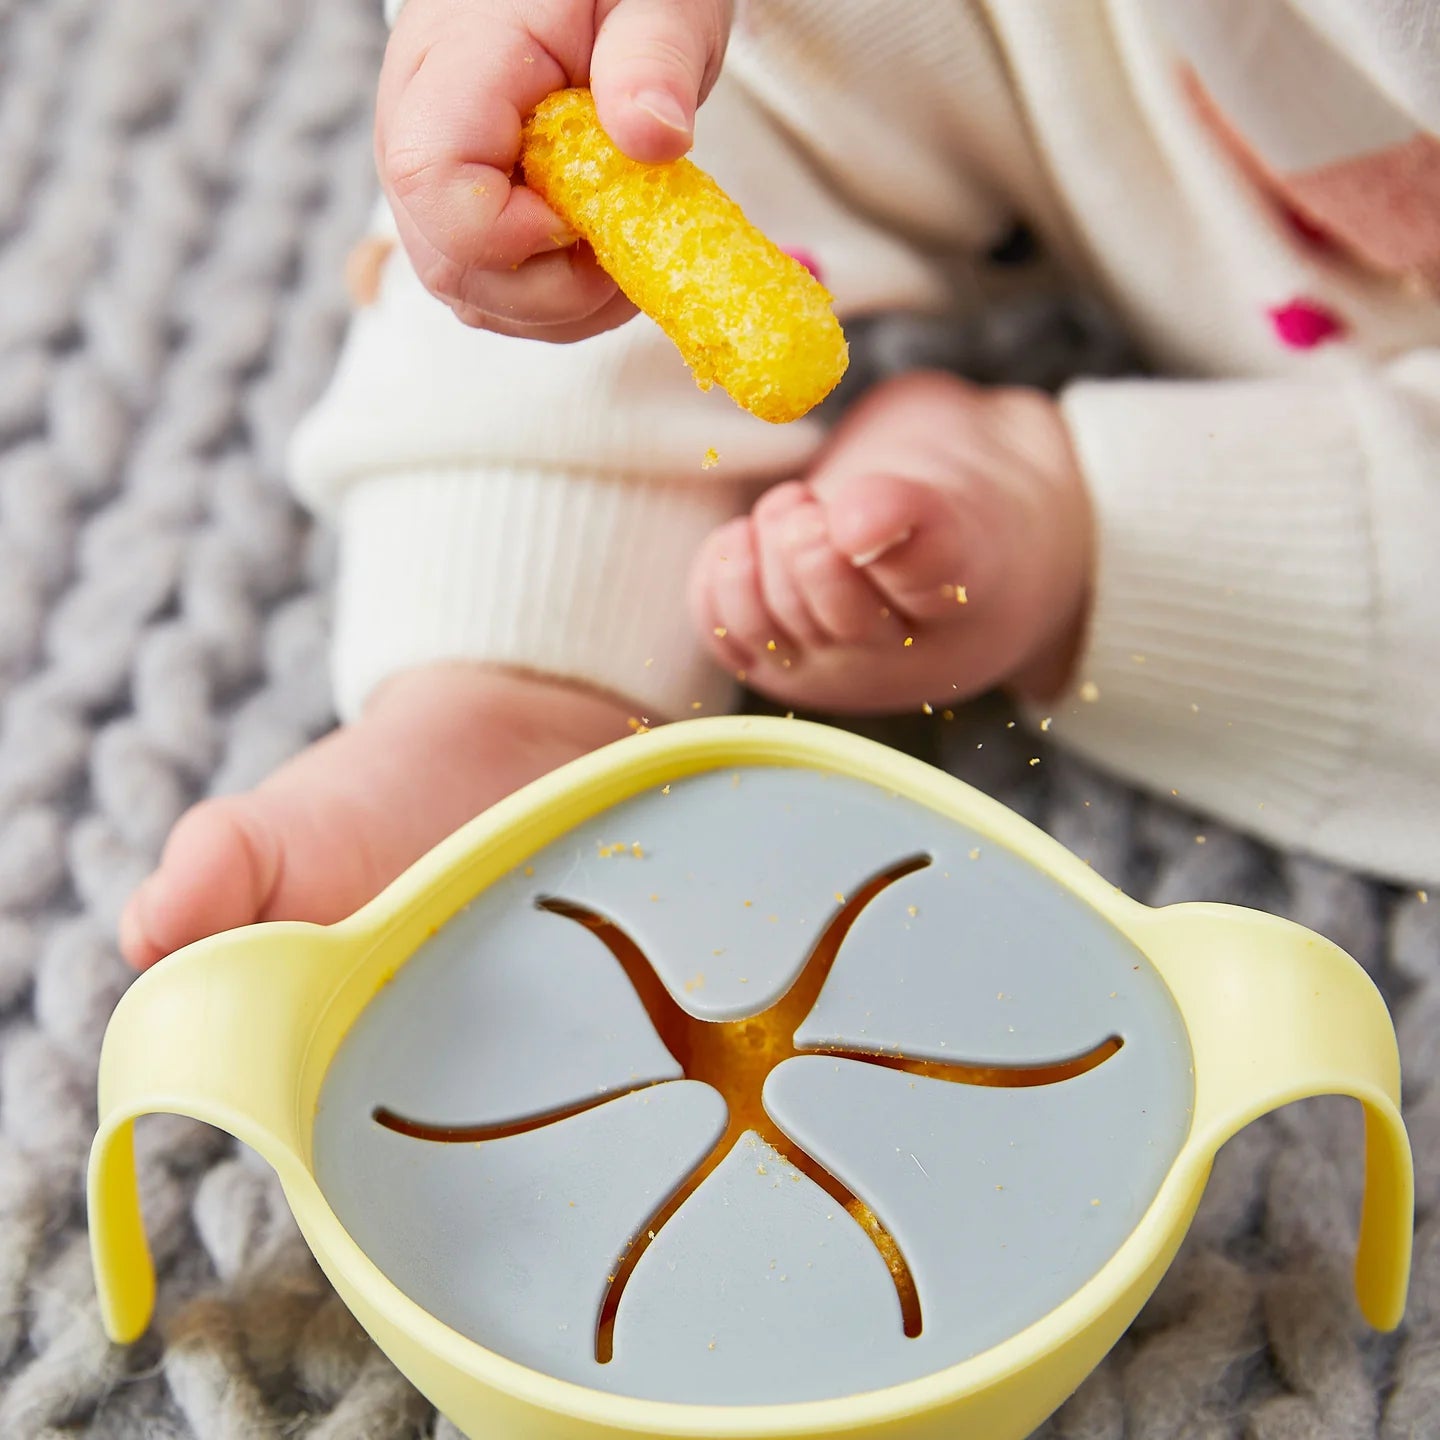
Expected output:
(241, 1030)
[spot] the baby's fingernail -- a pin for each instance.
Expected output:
(664, 108)
(872, 555)
(563, 239)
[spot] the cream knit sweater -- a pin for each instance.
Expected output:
(1266, 633)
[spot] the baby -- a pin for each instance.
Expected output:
(1220, 585)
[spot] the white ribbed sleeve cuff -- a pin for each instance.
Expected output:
(1232, 638)
(576, 576)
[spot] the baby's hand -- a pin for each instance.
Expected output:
(458, 80)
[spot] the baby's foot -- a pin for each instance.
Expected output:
(328, 831)
(940, 546)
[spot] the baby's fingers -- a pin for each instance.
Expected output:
(653, 62)
(563, 295)
(543, 295)
(447, 139)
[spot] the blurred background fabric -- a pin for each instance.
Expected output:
(180, 181)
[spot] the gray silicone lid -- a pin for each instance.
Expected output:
(1002, 1199)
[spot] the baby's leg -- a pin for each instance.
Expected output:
(326, 832)
(940, 546)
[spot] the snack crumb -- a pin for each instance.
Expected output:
(1046, 723)
(909, 641)
(711, 459)
(1089, 692)
(720, 632)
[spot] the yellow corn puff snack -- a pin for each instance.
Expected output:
(742, 312)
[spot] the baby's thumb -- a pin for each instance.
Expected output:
(653, 62)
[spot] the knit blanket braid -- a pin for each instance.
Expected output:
(179, 183)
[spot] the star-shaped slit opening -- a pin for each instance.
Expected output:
(734, 1057)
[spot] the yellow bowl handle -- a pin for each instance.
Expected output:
(218, 1032)
(1278, 1013)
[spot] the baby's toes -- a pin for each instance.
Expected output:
(219, 868)
(787, 524)
(843, 607)
(726, 597)
(909, 539)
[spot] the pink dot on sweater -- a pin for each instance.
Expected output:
(1303, 324)
(808, 261)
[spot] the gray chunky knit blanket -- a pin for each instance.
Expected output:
(179, 183)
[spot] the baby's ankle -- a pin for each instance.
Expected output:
(500, 708)
(1051, 672)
